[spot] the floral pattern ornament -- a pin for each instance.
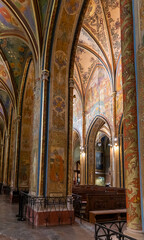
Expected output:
(59, 104)
(60, 60)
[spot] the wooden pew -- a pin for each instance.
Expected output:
(96, 198)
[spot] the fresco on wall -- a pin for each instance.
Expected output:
(119, 96)
(35, 136)
(26, 130)
(25, 7)
(98, 99)
(5, 100)
(77, 112)
(4, 75)
(7, 19)
(57, 165)
(15, 51)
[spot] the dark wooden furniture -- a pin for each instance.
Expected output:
(101, 199)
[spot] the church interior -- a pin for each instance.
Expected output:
(71, 110)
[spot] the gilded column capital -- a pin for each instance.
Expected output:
(45, 75)
(71, 83)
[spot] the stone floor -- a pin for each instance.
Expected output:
(11, 229)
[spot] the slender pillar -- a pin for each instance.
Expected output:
(70, 145)
(132, 179)
(42, 178)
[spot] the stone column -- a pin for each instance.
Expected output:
(42, 178)
(132, 178)
(70, 146)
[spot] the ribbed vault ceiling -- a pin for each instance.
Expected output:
(99, 43)
(22, 25)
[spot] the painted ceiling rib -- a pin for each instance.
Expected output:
(11, 6)
(100, 59)
(38, 21)
(109, 35)
(81, 45)
(99, 45)
(16, 33)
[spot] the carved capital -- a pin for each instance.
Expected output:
(71, 83)
(45, 75)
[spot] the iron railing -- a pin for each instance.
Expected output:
(111, 230)
(29, 206)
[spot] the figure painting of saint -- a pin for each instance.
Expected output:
(57, 165)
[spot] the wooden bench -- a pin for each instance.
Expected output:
(107, 215)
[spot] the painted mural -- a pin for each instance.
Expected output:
(6, 100)
(57, 165)
(77, 112)
(4, 74)
(119, 95)
(15, 51)
(7, 19)
(26, 8)
(26, 130)
(98, 99)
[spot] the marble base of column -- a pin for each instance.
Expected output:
(139, 235)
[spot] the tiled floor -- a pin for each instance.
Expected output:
(11, 229)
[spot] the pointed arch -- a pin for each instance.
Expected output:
(96, 125)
